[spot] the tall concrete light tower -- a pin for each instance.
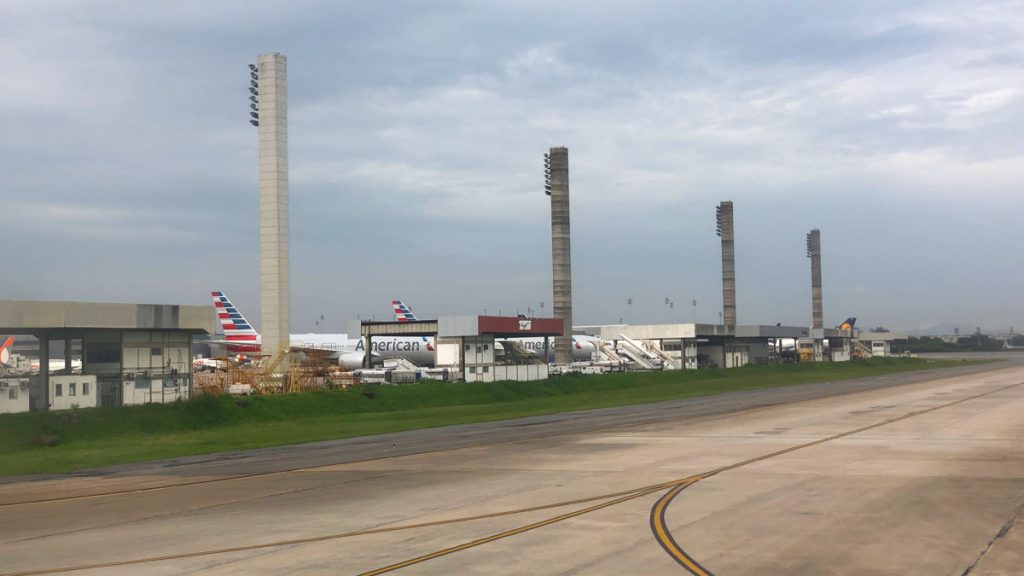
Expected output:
(270, 89)
(556, 185)
(818, 319)
(814, 253)
(723, 217)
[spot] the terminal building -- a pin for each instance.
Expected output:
(693, 345)
(466, 347)
(128, 353)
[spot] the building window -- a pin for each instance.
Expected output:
(487, 369)
(487, 347)
(478, 349)
(85, 388)
(467, 347)
(155, 352)
(102, 356)
(71, 389)
(472, 369)
(12, 394)
(58, 390)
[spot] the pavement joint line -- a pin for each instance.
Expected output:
(507, 533)
(739, 410)
(644, 490)
(213, 480)
(663, 535)
(675, 486)
(999, 536)
(188, 510)
(754, 409)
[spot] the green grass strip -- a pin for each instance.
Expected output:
(106, 436)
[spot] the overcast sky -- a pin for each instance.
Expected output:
(417, 131)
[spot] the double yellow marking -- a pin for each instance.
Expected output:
(464, 546)
(658, 525)
(664, 536)
(313, 539)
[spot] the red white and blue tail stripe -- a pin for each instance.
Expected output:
(402, 312)
(236, 327)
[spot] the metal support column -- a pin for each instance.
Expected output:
(462, 358)
(44, 369)
(67, 353)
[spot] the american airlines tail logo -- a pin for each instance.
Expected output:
(402, 312)
(235, 326)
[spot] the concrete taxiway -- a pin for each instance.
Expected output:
(908, 474)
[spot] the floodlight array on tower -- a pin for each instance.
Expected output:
(547, 174)
(254, 94)
(810, 243)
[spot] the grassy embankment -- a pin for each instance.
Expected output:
(105, 436)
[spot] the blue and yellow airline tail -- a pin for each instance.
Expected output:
(848, 325)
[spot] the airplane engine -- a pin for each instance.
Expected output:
(351, 360)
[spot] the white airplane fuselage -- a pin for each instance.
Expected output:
(583, 348)
(349, 352)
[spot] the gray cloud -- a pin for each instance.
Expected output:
(416, 136)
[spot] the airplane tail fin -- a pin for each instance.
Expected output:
(235, 326)
(402, 312)
(848, 325)
(5, 354)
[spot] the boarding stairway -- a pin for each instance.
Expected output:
(515, 353)
(861, 350)
(667, 361)
(640, 356)
(610, 353)
(401, 364)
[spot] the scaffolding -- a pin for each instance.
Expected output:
(284, 372)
